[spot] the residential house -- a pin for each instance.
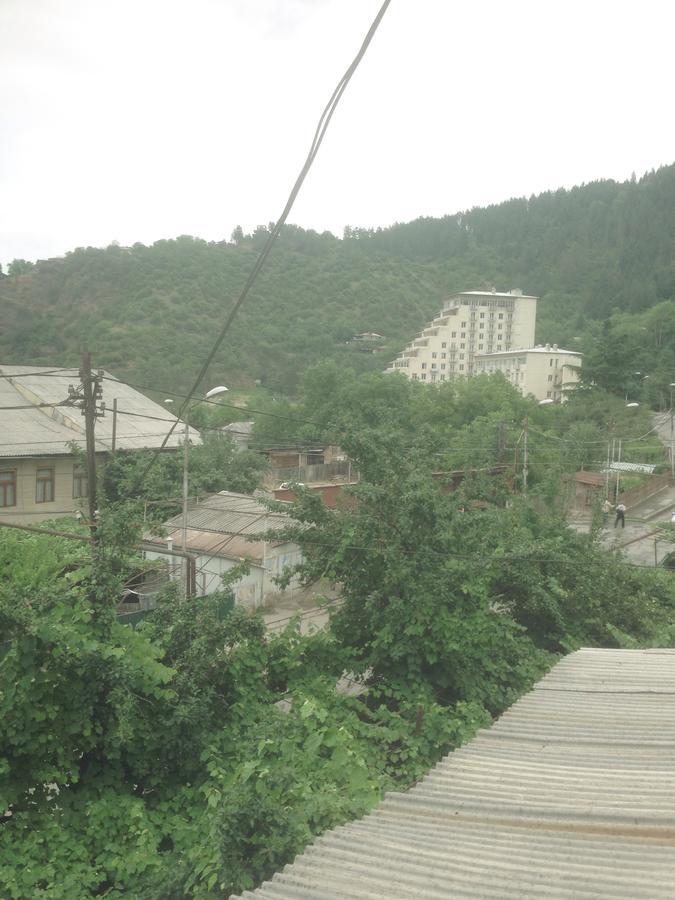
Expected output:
(222, 530)
(240, 432)
(41, 474)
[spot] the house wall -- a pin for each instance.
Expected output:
(27, 510)
(251, 591)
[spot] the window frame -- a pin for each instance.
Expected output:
(80, 475)
(40, 481)
(4, 485)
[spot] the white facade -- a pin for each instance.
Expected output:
(547, 373)
(254, 590)
(470, 323)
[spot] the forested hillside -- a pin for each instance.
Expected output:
(149, 313)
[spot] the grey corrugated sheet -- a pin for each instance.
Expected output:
(47, 431)
(224, 524)
(570, 794)
(228, 512)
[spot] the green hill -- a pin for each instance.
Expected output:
(149, 314)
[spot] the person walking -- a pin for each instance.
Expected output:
(620, 515)
(606, 510)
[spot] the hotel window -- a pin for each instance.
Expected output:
(461, 367)
(434, 355)
(482, 315)
(454, 334)
(423, 376)
(81, 482)
(433, 365)
(414, 375)
(499, 327)
(550, 362)
(501, 315)
(444, 344)
(463, 334)
(463, 324)
(44, 486)
(481, 335)
(462, 346)
(480, 346)
(443, 355)
(548, 393)
(442, 365)
(8, 487)
(550, 377)
(424, 365)
(461, 356)
(442, 377)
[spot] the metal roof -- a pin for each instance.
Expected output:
(570, 794)
(47, 430)
(223, 524)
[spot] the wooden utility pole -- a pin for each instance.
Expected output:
(525, 458)
(91, 394)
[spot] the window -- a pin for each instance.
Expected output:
(442, 377)
(81, 482)
(414, 375)
(433, 365)
(423, 376)
(424, 365)
(550, 362)
(444, 344)
(481, 335)
(463, 334)
(556, 363)
(461, 356)
(454, 334)
(463, 324)
(501, 316)
(443, 355)
(482, 315)
(434, 355)
(550, 377)
(442, 365)
(480, 346)
(8, 487)
(492, 315)
(461, 367)
(44, 486)
(548, 394)
(462, 346)
(499, 327)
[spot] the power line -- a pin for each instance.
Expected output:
(317, 140)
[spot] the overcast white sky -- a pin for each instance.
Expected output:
(134, 120)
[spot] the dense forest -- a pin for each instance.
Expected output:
(148, 314)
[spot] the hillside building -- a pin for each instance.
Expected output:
(548, 373)
(470, 323)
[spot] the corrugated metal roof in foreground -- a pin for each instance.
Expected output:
(570, 794)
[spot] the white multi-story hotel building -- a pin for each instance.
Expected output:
(548, 372)
(470, 323)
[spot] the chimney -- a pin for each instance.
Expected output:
(516, 292)
(555, 346)
(548, 346)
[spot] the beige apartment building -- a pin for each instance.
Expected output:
(470, 323)
(547, 373)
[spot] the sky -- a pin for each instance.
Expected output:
(137, 120)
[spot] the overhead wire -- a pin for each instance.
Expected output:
(317, 140)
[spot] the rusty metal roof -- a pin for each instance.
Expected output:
(570, 794)
(34, 424)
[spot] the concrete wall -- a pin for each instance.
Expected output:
(547, 374)
(253, 590)
(27, 510)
